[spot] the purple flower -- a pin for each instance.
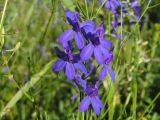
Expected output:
(136, 8)
(106, 68)
(111, 4)
(68, 61)
(92, 98)
(74, 97)
(87, 28)
(97, 45)
(73, 20)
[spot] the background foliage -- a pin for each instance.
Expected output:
(28, 34)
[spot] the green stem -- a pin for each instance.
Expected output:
(3, 13)
(143, 12)
(109, 22)
(86, 9)
(121, 21)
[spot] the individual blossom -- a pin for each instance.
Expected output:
(96, 46)
(68, 62)
(111, 4)
(106, 68)
(73, 20)
(91, 97)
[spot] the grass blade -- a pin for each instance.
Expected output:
(26, 87)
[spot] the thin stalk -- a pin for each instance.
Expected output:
(3, 13)
(92, 9)
(86, 9)
(121, 21)
(144, 12)
(153, 6)
(150, 105)
(109, 22)
(99, 8)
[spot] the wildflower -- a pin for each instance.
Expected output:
(106, 68)
(97, 45)
(111, 4)
(73, 64)
(68, 61)
(92, 98)
(73, 20)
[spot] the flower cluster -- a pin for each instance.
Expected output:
(121, 10)
(79, 67)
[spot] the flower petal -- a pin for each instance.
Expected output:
(84, 104)
(62, 55)
(86, 52)
(58, 65)
(107, 5)
(80, 82)
(98, 54)
(70, 71)
(71, 16)
(105, 43)
(79, 40)
(99, 101)
(76, 58)
(111, 72)
(74, 97)
(95, 106)
(87, 27)
(88, 23)
(80, 67)
(65, 37)
(103, 72)
(99, 31)
(137, 11)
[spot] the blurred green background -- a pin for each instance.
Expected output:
(30, 31)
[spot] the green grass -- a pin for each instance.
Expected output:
(30, 90)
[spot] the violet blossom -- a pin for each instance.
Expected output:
(106, 68)
(73, 20)
(68, 61)
(97, 45)
(111, 4)
(78, 66)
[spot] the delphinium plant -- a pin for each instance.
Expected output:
(78, 62)
(105, 66)
(86, 55)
